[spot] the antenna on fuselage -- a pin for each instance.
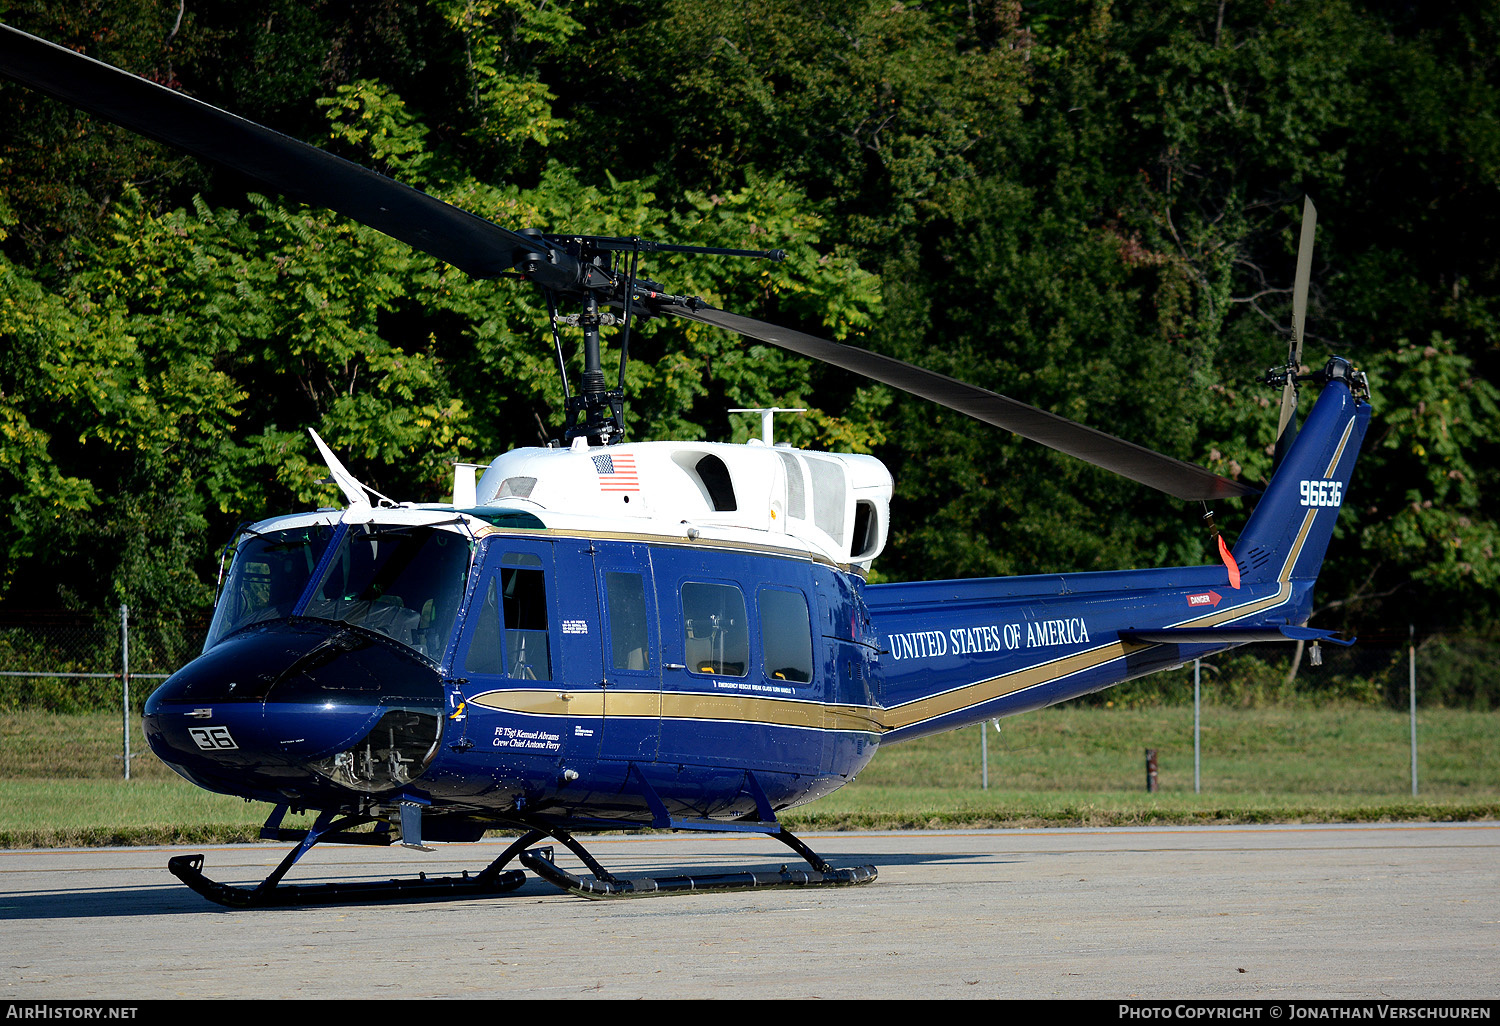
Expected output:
(465, 484)
(766, 414)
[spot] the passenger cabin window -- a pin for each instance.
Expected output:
(786, 635)
(511, 636)
(628, 638)
(715, 629)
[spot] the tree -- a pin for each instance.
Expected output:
(1093, 208)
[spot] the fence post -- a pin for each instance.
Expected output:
(1197, 749)
(984, 755)
(1412, 680)
(125, 679)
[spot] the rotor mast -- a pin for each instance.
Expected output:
(596, 411)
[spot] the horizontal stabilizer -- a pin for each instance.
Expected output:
(1231, 635)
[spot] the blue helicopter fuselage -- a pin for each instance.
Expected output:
(510, 661)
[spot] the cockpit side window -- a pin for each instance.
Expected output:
(528, 654)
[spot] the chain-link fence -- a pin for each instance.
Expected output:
(68, 662)
(72, 663)
(1455, 669)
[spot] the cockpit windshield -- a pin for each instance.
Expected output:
(405, 582)
(269, 574)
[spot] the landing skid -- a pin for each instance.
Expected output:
(604, 885)
(495, 879)
(271, 892)
(189, 869)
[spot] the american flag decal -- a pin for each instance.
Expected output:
(617, 474)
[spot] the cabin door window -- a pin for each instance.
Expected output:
(716, 630)
(512, 635)
(628, 650)
(629, 630)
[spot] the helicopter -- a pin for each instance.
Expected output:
(602, 635)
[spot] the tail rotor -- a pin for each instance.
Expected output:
(1286, 428)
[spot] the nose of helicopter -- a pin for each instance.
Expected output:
(299, 710)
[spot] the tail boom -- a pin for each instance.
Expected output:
(960, 652)
(944, 667)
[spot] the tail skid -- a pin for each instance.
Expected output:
(960, 652)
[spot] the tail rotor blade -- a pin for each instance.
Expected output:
(1304, 272)
(1286, 428)
(1288, 410)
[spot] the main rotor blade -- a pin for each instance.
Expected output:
(293, 168)
(1164, 473)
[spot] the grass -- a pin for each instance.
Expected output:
(1324, 752)
(60, 775)
(1081, 766)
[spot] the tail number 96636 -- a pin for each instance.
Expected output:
(1322, 493)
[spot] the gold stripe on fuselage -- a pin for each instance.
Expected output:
(806, 714)
(681, 705)
(1312, 513)
(965, 695)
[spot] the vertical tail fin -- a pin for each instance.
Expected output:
(1288, 533)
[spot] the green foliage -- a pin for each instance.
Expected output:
(509, 104)
(1423, 523)
(1091, 207)
(372, 119)
(1453, 672)
(872, 106)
